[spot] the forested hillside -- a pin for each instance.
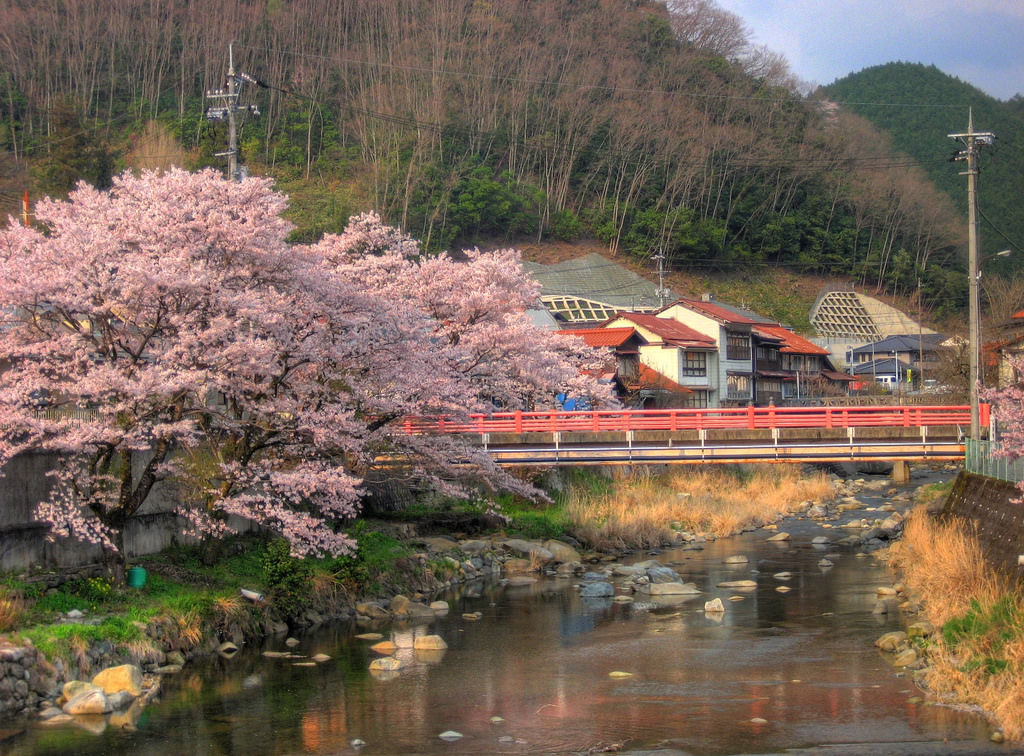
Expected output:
(919, 106)
(651, 128)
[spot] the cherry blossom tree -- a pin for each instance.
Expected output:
(1008, 411)
(165, 329)
(480, 352)
(169, 330)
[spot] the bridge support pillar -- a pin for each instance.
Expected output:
(900, 471)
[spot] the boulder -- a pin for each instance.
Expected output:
(385, 648)
(892, 641)
(429, 643)
(399, 605)
(126, 677)
(439, 544)
(91, 701)
(528, 550)
(517, 564)
(905, 658)
(73, 687)
(597, 590)
(562, 552)
(782, 535)
(671, 589)
(662, 574)
(372, 609)
(715, 606)
(121, 700)
(922, 629)
(386, 664)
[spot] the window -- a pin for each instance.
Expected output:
(738, 386)
(695, 363)
(737, 346)
(697, 400)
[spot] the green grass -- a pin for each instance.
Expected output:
(66, 640)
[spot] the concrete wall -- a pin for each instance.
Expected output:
(23, 540)
(991, 505)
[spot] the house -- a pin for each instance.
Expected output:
(809, 371)
(920, 353)
(685, 360)
(623, 365)
(889, 373)
(763, 362)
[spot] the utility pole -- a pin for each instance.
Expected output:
(972, 140)
(24, 210)
(662, 291)
(226, 108)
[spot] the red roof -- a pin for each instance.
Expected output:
(670, 331)
(717, 312)
(601, 337)
(793, 344)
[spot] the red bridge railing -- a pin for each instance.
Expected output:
(751, 418)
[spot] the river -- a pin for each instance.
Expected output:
(778, 672)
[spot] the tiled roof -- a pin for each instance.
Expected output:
(722, 313)
(792, 343)
(670, 331)
(602, 337)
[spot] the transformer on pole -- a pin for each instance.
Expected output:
(225, 107)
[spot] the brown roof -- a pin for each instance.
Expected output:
(718, 312)
(670, 331)
(601, 337)
(792, 343)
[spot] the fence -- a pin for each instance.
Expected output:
(982, 458)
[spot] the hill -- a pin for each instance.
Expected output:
(648, 128)
(918, 106)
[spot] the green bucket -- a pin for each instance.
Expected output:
(136, 577)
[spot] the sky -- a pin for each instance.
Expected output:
(980, 42)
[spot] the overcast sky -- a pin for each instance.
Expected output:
(980, 42)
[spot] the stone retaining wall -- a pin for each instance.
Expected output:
(25, 679)
(992, 506)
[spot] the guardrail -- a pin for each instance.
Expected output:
(982, 458)
(750, 418)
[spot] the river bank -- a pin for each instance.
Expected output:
(523, 562)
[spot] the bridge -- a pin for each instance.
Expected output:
(902, 433)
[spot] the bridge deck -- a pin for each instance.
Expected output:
(751, 434)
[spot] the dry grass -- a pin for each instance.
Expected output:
(12, 609)
(943, 561)
(640, 512)
(979, 656)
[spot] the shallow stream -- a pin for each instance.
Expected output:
(778, 672)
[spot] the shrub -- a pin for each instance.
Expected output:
(287, 578)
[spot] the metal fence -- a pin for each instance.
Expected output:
(983, 458)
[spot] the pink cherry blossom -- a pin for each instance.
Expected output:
(165, 330)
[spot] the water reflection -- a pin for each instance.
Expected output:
(534, 674)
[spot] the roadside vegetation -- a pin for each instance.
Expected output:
(977, 654)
